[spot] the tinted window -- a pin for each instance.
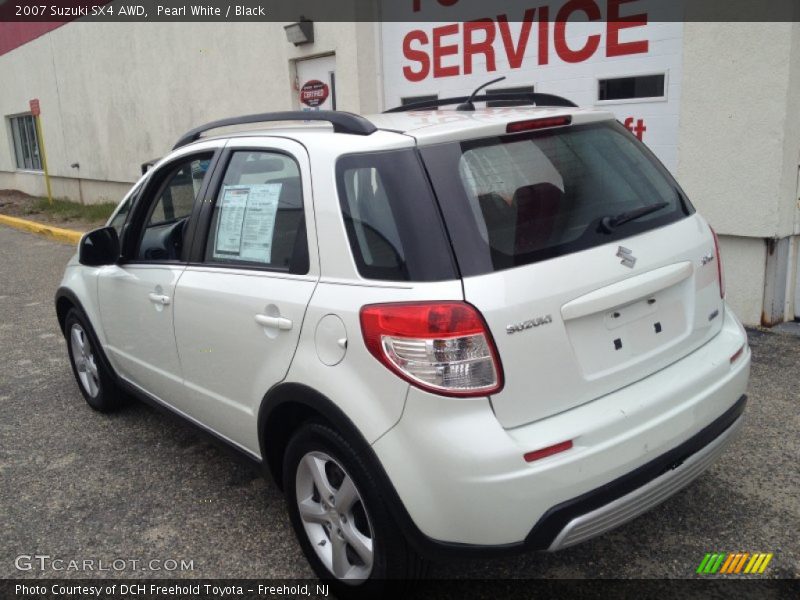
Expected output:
(626, 88)
(122, 214)
(170, 209)
(392, 221)
(176, 198)
(517, 199)
(258, 217)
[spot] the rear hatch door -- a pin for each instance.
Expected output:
(582, 253)
(574, 329)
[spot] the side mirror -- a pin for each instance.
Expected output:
(99, 247)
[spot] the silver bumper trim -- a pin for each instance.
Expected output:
(641, 500)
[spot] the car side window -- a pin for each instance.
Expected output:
(369, 211)
(258, 218)
(122, 214)
(169, 210)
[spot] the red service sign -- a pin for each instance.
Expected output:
(35, 110)
(314, 92)
(460, 48)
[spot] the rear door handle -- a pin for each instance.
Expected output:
(274, 322)
(159, 298)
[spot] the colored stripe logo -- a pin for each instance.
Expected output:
(734, 563)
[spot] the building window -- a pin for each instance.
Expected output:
(522, 89)
(629, 88)
(26, 143)
(414, 99)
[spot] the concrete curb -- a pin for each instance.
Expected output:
(68, 236)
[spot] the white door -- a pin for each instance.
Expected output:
(136, 297)
(316, 80)
(239, 310)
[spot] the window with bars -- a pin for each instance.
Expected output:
(629, 88)
(26, 143)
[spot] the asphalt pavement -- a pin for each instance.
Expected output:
(141, 486)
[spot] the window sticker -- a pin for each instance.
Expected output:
(246, 222)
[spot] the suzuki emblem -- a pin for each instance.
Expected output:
(529, 324)
(627, 257)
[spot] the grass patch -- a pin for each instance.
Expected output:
(72, 211)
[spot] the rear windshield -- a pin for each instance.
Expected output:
(517, 199)
(393, 224)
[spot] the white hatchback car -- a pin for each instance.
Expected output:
(443, 332)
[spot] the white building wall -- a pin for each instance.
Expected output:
(744, 261)
(109, 104)
(739, 146)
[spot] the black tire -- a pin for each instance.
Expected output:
(393, 558)
(107, 396)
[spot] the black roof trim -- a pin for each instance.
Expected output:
(343, 122)
(534, 98)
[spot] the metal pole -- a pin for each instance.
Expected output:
(40, 137)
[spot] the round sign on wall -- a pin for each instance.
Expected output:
(314, 92)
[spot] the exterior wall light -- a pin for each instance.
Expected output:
(301, 32)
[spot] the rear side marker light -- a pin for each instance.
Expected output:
(737, 355)
(720, 270)
(549, 451)
(442, 347)
(532, 124)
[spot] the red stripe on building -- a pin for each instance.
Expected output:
(25, 20)
(14, 35)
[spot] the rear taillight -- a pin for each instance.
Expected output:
(532, 124)
(443, 347)
(720, 271)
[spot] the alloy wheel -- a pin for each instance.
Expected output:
(334, 517)
(84, 359)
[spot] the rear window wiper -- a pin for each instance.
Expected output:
(608, 224)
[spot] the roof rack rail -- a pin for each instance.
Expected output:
(343, 122)
(535, 99)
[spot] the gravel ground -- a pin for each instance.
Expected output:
(79, 485)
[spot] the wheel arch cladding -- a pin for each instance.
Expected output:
(65, 300)
(285, 408)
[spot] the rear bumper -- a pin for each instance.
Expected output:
(465, 489)
(626, 498)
